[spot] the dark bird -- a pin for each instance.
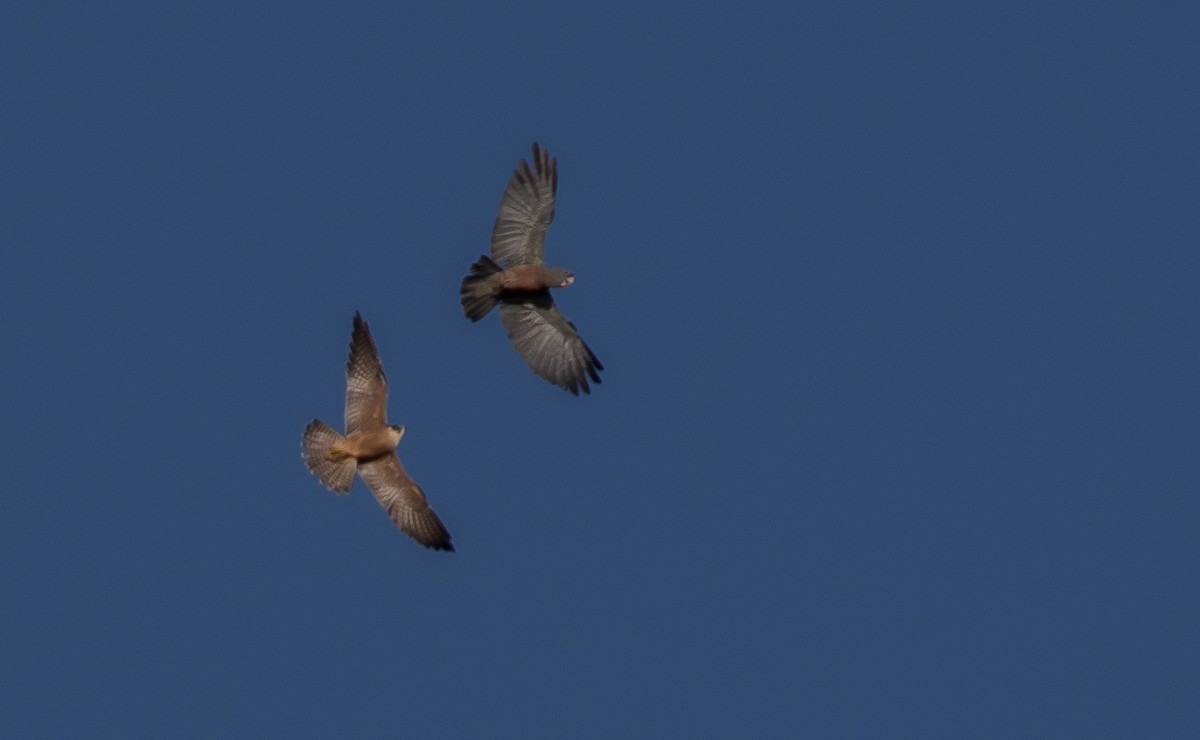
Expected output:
(517, 277)
(369, 446)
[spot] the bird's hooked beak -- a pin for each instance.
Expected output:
(399, 430)
(570, 279)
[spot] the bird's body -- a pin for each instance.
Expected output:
(517, 278)
(366, 445)
(369, 447)
(532, 278)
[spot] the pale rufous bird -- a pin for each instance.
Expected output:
(369, 447)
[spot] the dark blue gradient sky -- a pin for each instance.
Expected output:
(898, 435)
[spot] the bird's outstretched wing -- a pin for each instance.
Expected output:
(366, 385)
(526, 210)
(550, 344)
(404, 501)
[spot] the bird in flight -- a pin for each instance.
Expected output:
(517, 277)
(369, 447)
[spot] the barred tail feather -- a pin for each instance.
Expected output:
(480, 292)
(337, 474)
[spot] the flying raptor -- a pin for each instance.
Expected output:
(369, 446)
(517, 277)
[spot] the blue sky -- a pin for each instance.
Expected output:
(897, 434)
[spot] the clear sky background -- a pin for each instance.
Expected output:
(899, 427)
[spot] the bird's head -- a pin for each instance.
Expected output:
(557, 277)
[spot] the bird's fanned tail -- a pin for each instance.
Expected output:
(337, 474)
(480, 292)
